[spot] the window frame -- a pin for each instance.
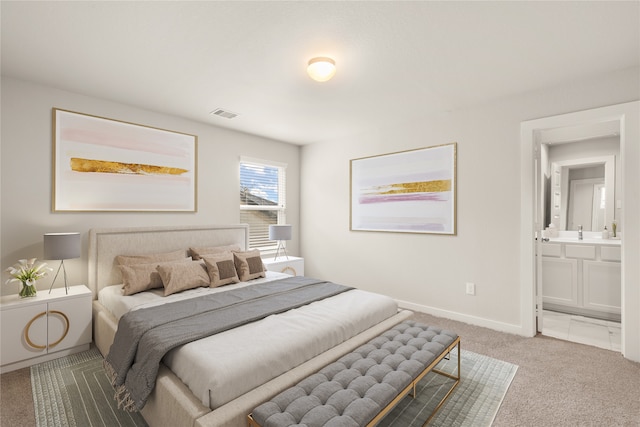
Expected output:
(280, 208)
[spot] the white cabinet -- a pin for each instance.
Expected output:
(292, 265)
(582, 279)
(44, 327)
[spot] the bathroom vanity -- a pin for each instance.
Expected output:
(582, 276)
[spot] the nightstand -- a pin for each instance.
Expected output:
(44, 327)
(293, 266)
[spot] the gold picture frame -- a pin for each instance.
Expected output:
(411, 191)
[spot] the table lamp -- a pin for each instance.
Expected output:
(280, 233)
(61, 246)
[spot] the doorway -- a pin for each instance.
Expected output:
(626, 118)
(579, 280)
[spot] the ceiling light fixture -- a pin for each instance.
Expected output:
(321, 69)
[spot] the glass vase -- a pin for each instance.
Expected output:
(28, 289)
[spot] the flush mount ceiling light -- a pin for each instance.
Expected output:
(321, 69)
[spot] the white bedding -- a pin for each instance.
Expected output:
(222, 367)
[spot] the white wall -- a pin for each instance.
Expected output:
(428, 272)
(27, 170)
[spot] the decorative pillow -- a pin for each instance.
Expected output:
(142, 277)
(249, 265)
(151, 258)
(178, 277)
(221, 268)
(198, 253)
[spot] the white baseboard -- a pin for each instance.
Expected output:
(472, 320)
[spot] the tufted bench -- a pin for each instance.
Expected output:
(361, 387)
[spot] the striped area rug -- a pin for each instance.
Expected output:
(75, 391)
(484, 382)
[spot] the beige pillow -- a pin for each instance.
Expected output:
(151, 258)
(142, 277)
(198, 253)
(178, 277)
(249, 265)
(221, 268)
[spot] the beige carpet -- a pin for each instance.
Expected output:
(558, 383)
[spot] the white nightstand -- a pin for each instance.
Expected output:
(44, 327)
(293, 266)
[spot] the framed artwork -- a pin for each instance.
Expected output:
(407, 192)
(102, 164)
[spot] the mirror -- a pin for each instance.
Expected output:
(582, 177)
(583, 193)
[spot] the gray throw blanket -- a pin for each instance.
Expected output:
(144, 336)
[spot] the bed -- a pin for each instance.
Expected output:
(177, 398)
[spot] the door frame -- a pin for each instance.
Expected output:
(627, 116)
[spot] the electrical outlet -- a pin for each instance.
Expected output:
(471, 288)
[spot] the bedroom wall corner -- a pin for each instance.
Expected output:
(430, 271)
(26, 174)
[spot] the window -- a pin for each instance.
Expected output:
(262, 199)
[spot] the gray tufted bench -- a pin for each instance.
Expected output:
(361, 387)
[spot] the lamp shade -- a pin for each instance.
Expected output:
(321, 69)
(61, 245)
(280, 232)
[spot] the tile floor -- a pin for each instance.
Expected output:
(584, 330)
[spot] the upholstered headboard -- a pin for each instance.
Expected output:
(107, 243)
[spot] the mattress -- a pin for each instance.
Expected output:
(222, 367)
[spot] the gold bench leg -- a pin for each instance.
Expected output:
(411, 388)
(251, 422)
(455, 384)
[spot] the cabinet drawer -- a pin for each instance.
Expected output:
(580, 251)
(610, 253)
(551, 249)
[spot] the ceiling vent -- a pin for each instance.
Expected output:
(223, 113)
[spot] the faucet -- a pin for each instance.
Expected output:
(579, 232)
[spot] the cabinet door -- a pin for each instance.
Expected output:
(24, 333)
(69, 323)
(293, 267)
(560, 281)
(602, 290)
